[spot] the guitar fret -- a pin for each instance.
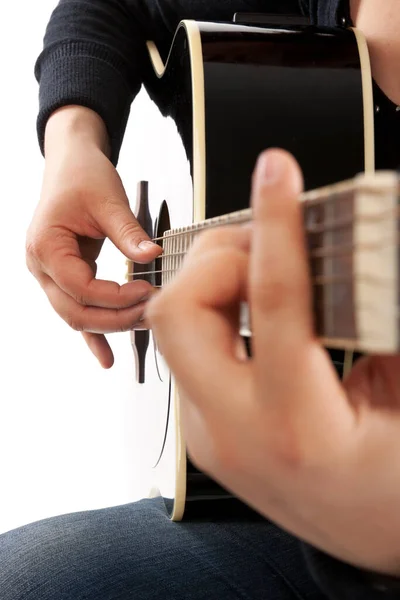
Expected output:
(168, 260)
(317, 280)
(180, 248)
(342, 278)
(328, 226)
(329, 239)
(174, 249)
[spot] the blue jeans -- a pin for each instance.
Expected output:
(135, 552)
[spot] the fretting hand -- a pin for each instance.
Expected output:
(280, 430)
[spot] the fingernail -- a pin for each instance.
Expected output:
(146, 244)
(269, 167)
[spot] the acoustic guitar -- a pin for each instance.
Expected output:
(224, 93)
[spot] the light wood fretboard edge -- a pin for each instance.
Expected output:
(376, 262)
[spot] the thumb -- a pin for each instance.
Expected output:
(120, 225)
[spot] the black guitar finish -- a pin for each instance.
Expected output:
(300, 90)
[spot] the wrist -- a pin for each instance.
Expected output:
(75, 123)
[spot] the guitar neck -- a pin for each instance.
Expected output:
(351, 231)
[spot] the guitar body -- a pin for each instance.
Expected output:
(226, 93)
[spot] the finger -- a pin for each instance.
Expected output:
(118, 223)
(235, 236)
(194, 318)
(310, 401)
(374, 380)
(279, 288)
(89, 318)
(59, 258)
(100, 347)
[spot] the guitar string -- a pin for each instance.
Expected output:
(307, 199)
(322, 253)
(240, 220)
(319, 252)
(314, 230)
(317, 280)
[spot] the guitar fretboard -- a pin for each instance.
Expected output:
(352, 231)
(352, 234)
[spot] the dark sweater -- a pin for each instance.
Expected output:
(93, 51)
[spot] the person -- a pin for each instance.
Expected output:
(327, 484)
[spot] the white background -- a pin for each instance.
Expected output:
(68, 434)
